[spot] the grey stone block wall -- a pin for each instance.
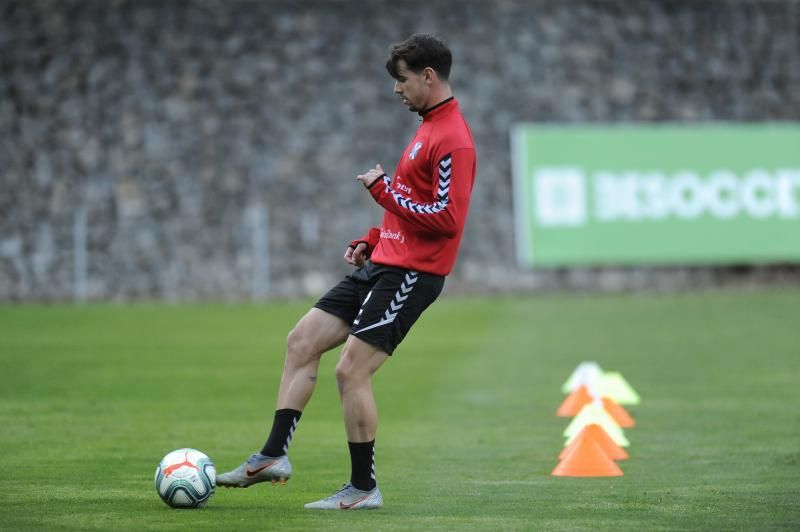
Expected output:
(209, 148)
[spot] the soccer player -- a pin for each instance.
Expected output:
(400, 270)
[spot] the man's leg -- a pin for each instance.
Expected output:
(316, 333)
(395, 302)
(358, 362)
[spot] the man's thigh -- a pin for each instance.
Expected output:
(320, 331)
(359, 358)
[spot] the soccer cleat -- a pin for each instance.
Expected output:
(349, 498)
(257, 468)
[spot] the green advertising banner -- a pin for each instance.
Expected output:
(629, 195)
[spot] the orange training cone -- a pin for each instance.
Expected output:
(573, 403)
(587, 459)
(601, 437)
(618, 413)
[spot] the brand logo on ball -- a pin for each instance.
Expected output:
(170, 469)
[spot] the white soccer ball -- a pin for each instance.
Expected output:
(186, 478)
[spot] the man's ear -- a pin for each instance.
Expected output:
(430, 74)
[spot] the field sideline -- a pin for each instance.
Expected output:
(94, 396)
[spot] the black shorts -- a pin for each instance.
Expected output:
(381, 303)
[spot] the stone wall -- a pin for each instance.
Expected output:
(207, 150)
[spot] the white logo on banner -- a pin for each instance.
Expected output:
(757, 194)
(560, 196)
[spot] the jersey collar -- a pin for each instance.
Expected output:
(439, 108)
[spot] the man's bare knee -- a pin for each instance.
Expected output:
(344, 374)
(299, 347)
(313, 335)
(347, 372)
(357, 365)
(294, 340)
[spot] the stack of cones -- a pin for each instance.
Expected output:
(595, 439)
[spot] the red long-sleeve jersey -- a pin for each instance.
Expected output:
(427, 201)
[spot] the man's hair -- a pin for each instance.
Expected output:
(420, 51)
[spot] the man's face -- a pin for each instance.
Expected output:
(412, 87)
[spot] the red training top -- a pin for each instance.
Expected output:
(427, 201)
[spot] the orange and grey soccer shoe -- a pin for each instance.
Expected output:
(257, 468)
(349, 498)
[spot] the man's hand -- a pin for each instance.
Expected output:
(356, 256)
(371, 176)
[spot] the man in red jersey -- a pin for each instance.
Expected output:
(400, 271)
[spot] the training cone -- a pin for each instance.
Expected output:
(574, 402)
(618, 413)
(613, 385)
(585, 374)
(601, 437)
(594, 413)
(587, 459)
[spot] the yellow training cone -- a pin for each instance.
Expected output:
(594, 413)
(613, 385)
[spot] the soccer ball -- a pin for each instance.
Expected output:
(186, 478)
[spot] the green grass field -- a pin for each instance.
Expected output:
(92, 397)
